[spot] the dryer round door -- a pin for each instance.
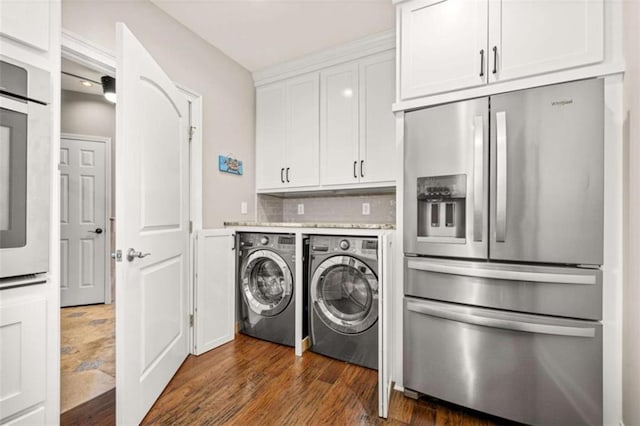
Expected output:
(267, 283)
(344, 294)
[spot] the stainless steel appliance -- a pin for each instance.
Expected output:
(503, 291)
(266, 286)
(343, 298)
(25, 155)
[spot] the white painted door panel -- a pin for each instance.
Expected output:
(215, 290)
(152, 198)
(339, 125)
(271, 124)
(441, 43)
(23, 327)
(377, 121)
(539, 36)
(303, 132)
(83, 211)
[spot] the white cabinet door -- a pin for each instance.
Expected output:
(271, 124)
(23, 351)
(215, 289)
(339, 125)
(443, 46)
(377, 121)
(26, 21)
(538, 36)
(303, 132)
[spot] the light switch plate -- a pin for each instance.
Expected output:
(366, 209)
(300, 208)
(243, 207)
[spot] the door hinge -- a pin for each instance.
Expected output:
(192, 132)
(190, 227)
(117, 255)
(191, 320)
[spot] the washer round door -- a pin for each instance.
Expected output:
(344, 294)
(267, 283)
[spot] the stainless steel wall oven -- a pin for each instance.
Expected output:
(25, 155)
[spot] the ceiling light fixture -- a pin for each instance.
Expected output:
(109, 88)
(86, 83)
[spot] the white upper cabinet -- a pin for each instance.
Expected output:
(448, 45)
(443, 45)
(287, 133)
(339, 125)
(377, 121)
(535, 37)
(325, 122)
(26, 21)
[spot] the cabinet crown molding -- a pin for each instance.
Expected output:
(356, 49)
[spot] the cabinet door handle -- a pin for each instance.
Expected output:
(361, 168)
(355, 173)
(282, 175)
(482, 63)
(288, 174)
(495, 59)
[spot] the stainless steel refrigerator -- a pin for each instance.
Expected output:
(503, 242)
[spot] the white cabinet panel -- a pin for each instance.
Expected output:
(22, 355)
(538, 36)
(35, 417)
(443, 46)
(26, 21)
(377, 121)
(301, 149)
(215, 290)
(271, 113)
(339, 124)
(287, 133)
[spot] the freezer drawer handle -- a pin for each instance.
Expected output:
(539, 277)
(527, 327)
(478, 176)
(501, 176)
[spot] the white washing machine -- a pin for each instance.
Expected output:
(343, 298)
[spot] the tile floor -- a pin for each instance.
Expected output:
(87, 353)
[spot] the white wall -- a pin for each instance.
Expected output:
(226, 87)
(631, 300)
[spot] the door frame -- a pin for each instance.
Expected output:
(108, 201)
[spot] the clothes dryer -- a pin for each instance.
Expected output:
(266, 286)
(343, 298)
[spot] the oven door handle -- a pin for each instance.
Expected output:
(502, 274)
(486, 321)
(13, 105)
(19, 282)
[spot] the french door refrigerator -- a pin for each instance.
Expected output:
(503, 242)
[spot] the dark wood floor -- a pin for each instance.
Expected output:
(251, 382)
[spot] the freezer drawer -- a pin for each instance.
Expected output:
(527, 368)
(558, 291)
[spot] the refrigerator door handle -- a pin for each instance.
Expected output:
(487, 321)
(501, 176)
(478, 176)
(502, 274)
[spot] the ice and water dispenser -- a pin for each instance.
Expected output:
(441, 208)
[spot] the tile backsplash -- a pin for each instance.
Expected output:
(328, 208)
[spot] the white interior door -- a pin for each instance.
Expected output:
(83, 221)
(152, 199)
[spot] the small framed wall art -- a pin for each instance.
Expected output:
(231, 165)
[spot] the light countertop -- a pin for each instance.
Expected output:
(311, 225)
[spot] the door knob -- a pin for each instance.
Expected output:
(97, 231)
(132, 254)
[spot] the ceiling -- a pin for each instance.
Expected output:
(261, 33)
(74, 83)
